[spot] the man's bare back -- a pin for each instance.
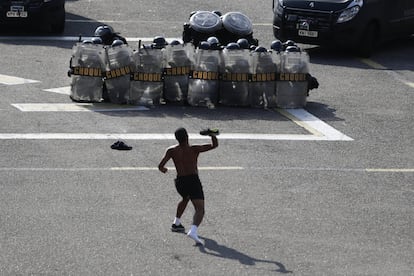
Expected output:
(185, 156)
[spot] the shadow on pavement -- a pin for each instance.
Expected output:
(36, 34)
(322, 111)
(220, 113)
(333, 56)
(211, 247)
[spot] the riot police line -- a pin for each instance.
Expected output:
(201, 71)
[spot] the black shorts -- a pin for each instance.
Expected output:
(189, 186)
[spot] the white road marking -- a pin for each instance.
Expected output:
(216, 168)
(320, 131)
(392, 73)
(210, 168)
(147, 136)
(317, 126)
(373, 64)
(65, 90)
(159, 136)
(382, 170)
(172, 169)
(298, 121)
(76, 107)
(327, 169)
(11, 80)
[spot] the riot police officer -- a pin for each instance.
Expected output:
(108, 35)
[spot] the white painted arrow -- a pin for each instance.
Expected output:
(11, 80)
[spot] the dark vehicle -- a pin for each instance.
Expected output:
(356, 24)
(49, 13)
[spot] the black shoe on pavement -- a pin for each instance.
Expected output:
(119, 145)
(177, 228)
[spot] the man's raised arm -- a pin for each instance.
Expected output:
(214, 141)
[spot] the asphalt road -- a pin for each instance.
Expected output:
(292, 203)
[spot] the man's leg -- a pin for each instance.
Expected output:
(199, 211)
(198, 217)
(177, 226)
(181, 207)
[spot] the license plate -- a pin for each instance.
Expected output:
(16, 11)
(308, 33)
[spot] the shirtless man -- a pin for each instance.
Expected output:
(187, 183)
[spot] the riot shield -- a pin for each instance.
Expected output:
(146, 81)
(234, 80)
(292, 81)
(236, 25)
(262, 86)
(118, 73)
(87, 66)
(201, 26)
(203, 82)
(176, 72)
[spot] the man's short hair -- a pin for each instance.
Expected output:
(181, 135)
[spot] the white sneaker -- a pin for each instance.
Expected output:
(195, 238)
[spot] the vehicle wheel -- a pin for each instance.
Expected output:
(58, 25)
(368, 41)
